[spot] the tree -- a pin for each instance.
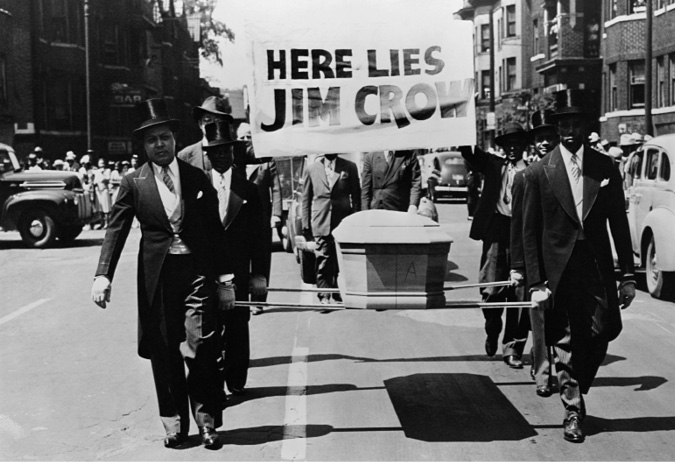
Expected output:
(212, 30)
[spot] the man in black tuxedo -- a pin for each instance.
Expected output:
(571, 196)
(330, 192)
(391, 180)
(544, 138)
(491, 224)
(183, 262)
(213, 108)
(241, 215)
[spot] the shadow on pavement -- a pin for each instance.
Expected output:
(18, 244)
(455, 407)
(278, 360)
(595, 425)
(644, 383)
(270, 392)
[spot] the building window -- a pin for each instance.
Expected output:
(613, 9)
(638, 6)
(535, 42)
(484, 37)
(671, 70)
(110, 44)
(613, 90)
(3, 80)
(511, 20)
(510, 74)
(485, 84)
(636, 83)
(661, 97)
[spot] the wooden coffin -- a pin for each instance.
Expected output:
(391, 260)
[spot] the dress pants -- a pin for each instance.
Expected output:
(569, 328)
(268, 259)
(183, 333)
(541, 353)
(326, 264)
(236, 349)
(495, 266)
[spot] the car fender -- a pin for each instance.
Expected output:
(48, 199)
(660, 223)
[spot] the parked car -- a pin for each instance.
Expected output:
(44, 205)
(290, 171)
(651, 212)
(444, 174)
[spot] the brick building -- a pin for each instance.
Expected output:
(624, 72)
(138, 49)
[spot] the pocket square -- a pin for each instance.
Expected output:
(344, 175)
(200, 194)
(604, 182)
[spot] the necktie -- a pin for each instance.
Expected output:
(166, 178)
(578, 192)
(510, 173)
(576, 168)
(223, 197)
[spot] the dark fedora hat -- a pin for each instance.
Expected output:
(219, 133)
(153, 112)
(570, 102)
(512, 130)
(213, 105)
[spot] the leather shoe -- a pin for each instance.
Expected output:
(490, 346)
(572, 430)
(173, 440)
(210, 439)
(543, 391)
(513, 362)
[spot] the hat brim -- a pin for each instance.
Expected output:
(198, 111)
(215, 144)
(516, 135)
(173, 124)
(569, 111)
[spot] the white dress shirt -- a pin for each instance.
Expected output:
(577, 187)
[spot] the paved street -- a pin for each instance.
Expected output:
(344, 385)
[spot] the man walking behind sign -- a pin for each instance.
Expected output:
(391, 180)
(571, 196)
(183, 262)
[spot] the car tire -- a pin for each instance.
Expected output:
(659, 283)
(37, 228)
(69, 233)
(307, 267)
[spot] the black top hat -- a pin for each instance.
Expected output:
(154, 112)
(570, 102)
(212, 105)
(512, 130)
(218, 133)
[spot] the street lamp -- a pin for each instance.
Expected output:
(87, 71)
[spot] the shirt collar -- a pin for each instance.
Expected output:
(173, 167)
(567, 154)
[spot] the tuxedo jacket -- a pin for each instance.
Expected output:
(195, 156)
(516, 246)
(201, 231)
(551, 225)
(390, 186)
(491, 166)
(323, 206)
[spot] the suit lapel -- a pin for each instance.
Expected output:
(149, 195)
(560, 184)
(592, 179)
(234, 201)
(322, 173)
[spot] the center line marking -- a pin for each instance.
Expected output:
(23, 310)
(294, 445)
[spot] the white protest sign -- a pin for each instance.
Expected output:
(360, 76)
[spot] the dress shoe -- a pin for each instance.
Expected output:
(544, 391)
(237, 391)
(255, 310)
(572, 430)
(490, 346)
(513, 362)
(210, 439)
(173, 440)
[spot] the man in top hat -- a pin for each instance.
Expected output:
(544, 138)
(571, 196)
(183, 263)
(212, 109)
(491, 224)
(241, 216)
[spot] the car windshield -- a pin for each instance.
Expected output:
(8, 161)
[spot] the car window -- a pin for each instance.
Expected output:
(635, 167)
(652, 167)
(664, 173)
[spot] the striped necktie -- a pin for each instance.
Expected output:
(576, 168)
(223, 197)
(166, 178)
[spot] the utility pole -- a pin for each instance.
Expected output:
(87, 70)
(492, 74)
(649, 126)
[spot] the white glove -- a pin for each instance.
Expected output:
(257, 286)
(541, 297)
(100, 291)
(226, 295)
(275, 220)
(517, 278)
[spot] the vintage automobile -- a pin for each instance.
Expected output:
(651, 212)
(443, 174)
(43, 206)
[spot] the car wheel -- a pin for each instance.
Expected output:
(659, 283)
(69, 233)
(307, 267)
(37, 228)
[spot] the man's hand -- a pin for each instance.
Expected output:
(626, 294)
(257, 286)
(412, 209)
(100, 291)
(541, 297)
(517, 278)
(226, 297)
